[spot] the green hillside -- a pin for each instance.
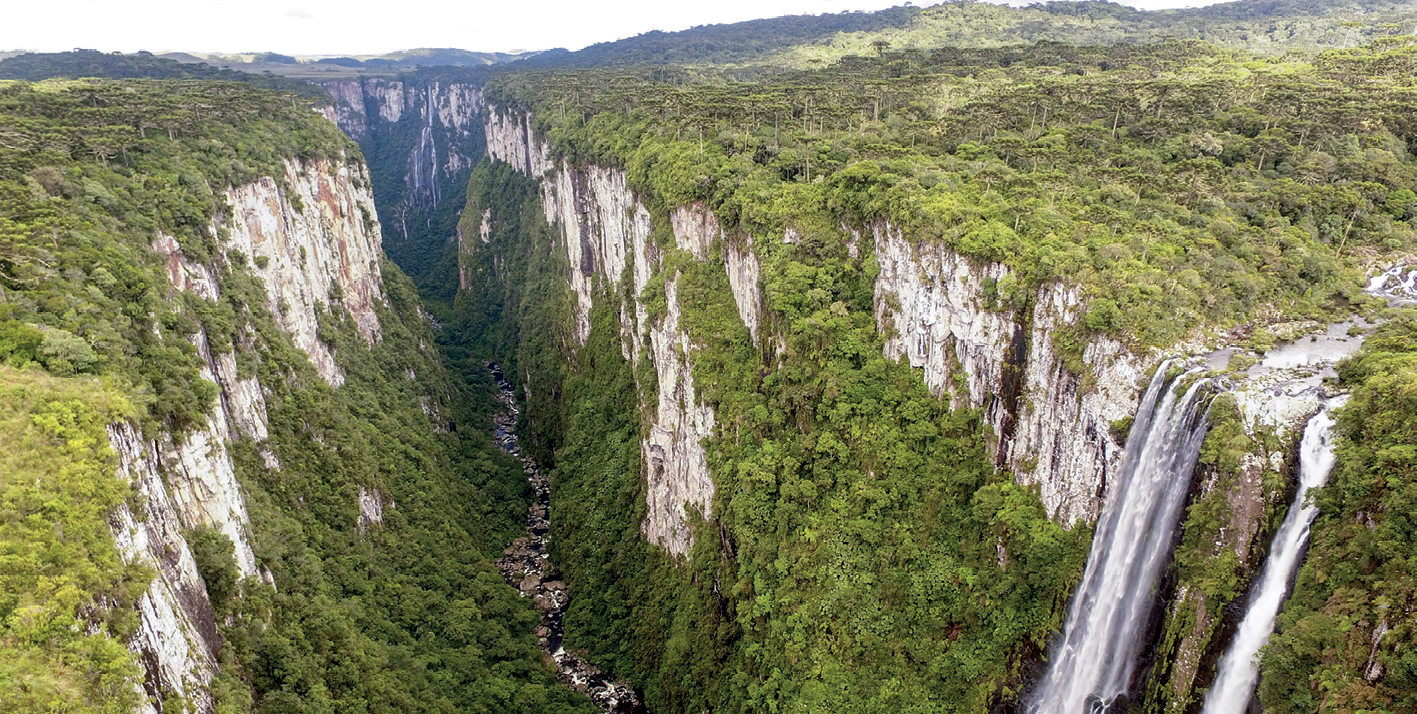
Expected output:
(409, 617)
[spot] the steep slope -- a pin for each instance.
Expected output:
(421, 132)
(298, 469)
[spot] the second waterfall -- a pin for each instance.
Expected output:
(1239, 670)
(1093, 664)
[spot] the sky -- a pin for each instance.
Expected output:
(335, 27)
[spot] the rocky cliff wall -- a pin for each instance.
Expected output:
(434, 128)
(605, 231)
(312, 240)
(1053, 426)
(942, 313)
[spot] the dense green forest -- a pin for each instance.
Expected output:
(38, 66)
(57, 652)
(410, 616)
(1183, 184)
(1274, 27)
(857, 567)
(853, 562)
(1346, 638)
(1237, 172)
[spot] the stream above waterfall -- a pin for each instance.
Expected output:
(526, 565)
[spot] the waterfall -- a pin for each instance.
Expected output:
(1239, 669)
(1094, 662)
(424, 173)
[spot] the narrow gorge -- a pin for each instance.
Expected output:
(526, 566)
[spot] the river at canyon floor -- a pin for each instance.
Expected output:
(526, 565)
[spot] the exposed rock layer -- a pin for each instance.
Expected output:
(937, 309)
(605, 231)
(313, 241)
(445, 145)
(943, 313)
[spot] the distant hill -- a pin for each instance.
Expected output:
(35, 67)
(1258, 26)
(324, 68)
(737, 42)
(450, 57)
(182, 57)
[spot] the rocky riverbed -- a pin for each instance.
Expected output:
(526, 565)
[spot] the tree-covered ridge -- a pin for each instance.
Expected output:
(39, 66)
(1182, 185)
(90, 173)
(1265, 27)
(67, 596)
(1345, 641)
(723, 44)
(801, 41)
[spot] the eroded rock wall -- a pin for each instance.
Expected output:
(605, 231)
(1062, 437)
(177, 637)
(937, 309)
(1052, 423)
(444, 147)
(312, 240)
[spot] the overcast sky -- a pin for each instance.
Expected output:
(329, 27)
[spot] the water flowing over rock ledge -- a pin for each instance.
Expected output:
(526, 566)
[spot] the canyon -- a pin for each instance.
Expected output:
(752, 492)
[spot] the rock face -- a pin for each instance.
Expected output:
(675, 461)
(1062, 436)
(311, 244)
(606, 234)
(177, 635)
(940, 312)
(1053, 425)
(445, 144)
(314, 243)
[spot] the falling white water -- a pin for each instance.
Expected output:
(1093, 664)
(1239, 669)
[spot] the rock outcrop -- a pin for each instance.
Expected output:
(675, 461)
(177, 631)
(313, 241)
(444, 146)
(605, 231)
(937, 309)
(943, 314)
